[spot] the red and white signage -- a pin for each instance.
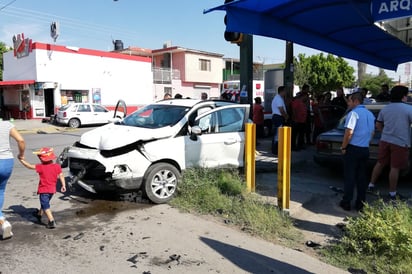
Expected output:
(22, 47)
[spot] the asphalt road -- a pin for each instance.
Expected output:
(101, 235)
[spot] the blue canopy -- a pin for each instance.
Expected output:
(363, 30)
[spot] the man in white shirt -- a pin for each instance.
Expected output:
(279, 116)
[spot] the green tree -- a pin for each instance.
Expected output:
(374, 82)
(3, 49)
(323, 72)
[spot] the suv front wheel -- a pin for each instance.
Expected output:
(160, 183)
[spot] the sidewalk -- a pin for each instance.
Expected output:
(313, 201)
(266, 178)
(37, 126)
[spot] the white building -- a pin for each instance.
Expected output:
(47, 76)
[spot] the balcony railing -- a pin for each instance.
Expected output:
(165, 76)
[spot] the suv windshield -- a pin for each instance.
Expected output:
(156, 116)
(65, 107)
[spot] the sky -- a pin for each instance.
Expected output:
(95, 24)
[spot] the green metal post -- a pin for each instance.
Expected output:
(246, 69)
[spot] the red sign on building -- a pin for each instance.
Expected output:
(22, 47)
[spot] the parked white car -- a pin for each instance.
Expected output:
(78, 114)
(150, 148)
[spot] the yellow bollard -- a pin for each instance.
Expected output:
(284, 154)
(250, 163)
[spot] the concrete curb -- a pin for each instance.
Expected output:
(45, 130)
(38, 126)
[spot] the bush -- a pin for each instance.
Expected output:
(230, 184)
(381, 230)
(201, 190)
(379, 239)
(223, 193)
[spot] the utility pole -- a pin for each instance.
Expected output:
(246, 70)
(289, 69)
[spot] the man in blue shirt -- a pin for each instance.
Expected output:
(359, 129)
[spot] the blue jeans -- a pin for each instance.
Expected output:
(45, 200)
(6, 168)
(277, 121)
(355, 160)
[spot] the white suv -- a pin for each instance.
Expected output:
(150, 148)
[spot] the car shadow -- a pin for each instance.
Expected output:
(249, 261)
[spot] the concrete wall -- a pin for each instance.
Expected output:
(194, 74)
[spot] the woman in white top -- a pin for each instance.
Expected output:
(7, 130)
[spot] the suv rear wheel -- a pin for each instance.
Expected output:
(160, 183)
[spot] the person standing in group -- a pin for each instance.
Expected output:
(299, 118)
(258, 117)
(340, 100)
(394, 120)
(366, 99)
(319, 116)
(384, 95)
(48, 173)
(327, 98)
(359, 129)
(309, 117)
(7, 130)
(203, 96)
(279, 116)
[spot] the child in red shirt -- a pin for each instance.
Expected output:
(48, 173)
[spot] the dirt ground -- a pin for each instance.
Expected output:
(106, 236)
(99, 235)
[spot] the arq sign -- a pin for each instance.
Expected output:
(383, 10)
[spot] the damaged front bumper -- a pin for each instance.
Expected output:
(96, 173)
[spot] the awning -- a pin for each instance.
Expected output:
(350, 29)
(16, 82)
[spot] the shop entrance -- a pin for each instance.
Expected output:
(49, 102)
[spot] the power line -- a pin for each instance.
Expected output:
(8, 4)
(66, 22)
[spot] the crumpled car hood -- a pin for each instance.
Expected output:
(113, 136)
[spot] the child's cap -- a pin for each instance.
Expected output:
(45, 154)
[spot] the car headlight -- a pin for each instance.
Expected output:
(121, 171)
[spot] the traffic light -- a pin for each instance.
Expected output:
(232, 37)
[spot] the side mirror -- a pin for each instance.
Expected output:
(115, 120)
(194, 132)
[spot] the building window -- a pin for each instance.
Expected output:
(204, 65)
(167, 90)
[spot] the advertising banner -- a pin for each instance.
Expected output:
(390, 9)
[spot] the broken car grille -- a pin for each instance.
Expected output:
(94, 170)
